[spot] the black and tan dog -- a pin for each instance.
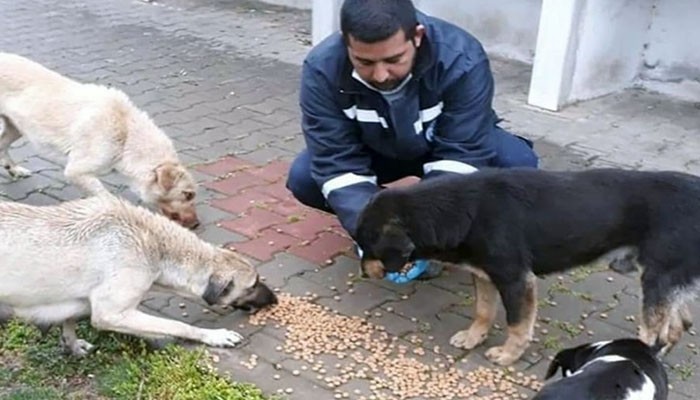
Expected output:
(622, 369)
(510, 225)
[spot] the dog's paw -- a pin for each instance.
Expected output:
(18, 172)
(468, 338)
(222, 338)
(80, 348)
(501, 356)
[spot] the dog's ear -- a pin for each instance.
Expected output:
(216, 288)
(553, 368)
(394, 248)
(167, 175)
(565, 360)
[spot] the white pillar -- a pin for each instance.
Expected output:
(325, 19)
(555, 53)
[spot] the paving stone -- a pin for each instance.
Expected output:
(326, 246)
(237, 94)
(299, 286)
(336, 275)
(282, 267)
(210, 215)
(253, 222)
(214, 151)
(265, 346)
(268, 243)
(308, 226)
(244, 201)
(234, 320)
(265, 154)
(231, 363)
(68, 192)
(157, 301)
(271, 172)
(426, 301)
(454, 279)
(276, 190)
(234, 183)
(365, 297)
(294, 211)
(217, 235)
(206, 195)
(186, 310)
(441, 329)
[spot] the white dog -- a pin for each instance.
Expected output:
(98, 128)
(100, 256)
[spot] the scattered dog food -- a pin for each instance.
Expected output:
(366, 351)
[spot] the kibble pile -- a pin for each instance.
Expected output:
(366, 351)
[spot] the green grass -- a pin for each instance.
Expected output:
(551, 342)
(572, 330)
(33, 367)
(581, 273)
(684, 370)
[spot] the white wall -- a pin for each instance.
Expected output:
(613, 44)
(671, 61)
(507, 28)
(611, 39)
(302, 4)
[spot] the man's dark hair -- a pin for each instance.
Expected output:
(371, 21)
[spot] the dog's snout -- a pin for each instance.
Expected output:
(191, 223)
(265, 295)
(187, 219)
(259, 298)
(373, 269)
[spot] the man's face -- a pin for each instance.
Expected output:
(385, 64)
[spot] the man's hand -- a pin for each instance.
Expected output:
(409, 272)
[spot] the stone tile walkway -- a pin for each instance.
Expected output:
(221, 78)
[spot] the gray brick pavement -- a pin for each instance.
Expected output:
(222, 77)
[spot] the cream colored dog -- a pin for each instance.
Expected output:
(100, 256)
(98, 129)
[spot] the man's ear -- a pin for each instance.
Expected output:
(216, 288)
(167, 175)
(418, 37)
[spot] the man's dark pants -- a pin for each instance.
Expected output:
(511, 151)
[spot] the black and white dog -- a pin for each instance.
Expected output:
(623, 369)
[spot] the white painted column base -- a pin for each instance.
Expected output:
(554, 62)
(325, 19)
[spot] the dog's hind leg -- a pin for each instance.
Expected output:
(70, 341)
(486, 309)
(680, 321)
(661, 324)
(685, 316)
(8, 135)
(520, 301)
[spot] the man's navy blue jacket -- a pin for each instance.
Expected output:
(443, 116)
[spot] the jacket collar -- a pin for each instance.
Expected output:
(424, 61)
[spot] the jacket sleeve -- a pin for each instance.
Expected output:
(460, 142)
(340, 165)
